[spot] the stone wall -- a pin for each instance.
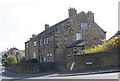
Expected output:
(75, 63)
(25, 68)
(92, 61)
(32, 67)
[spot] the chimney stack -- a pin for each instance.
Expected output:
(90, 16)
(46, 26)
(33, 35)
(72, 12)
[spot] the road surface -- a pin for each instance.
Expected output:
(10, 75)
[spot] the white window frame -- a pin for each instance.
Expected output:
(44, 40)
(48, 54)
(44, 59)
(78, 36)
(40, 42)
(15, 53)
(51, 54)
(27, 45)
(35, 43)
(47, 40)
(84, 26)
(35, 56)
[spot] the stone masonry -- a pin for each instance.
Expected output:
(77, 32)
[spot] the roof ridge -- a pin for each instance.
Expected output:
(51, 28)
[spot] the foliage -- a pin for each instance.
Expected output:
(18, 60)
(12, 59)
(4, 60)
(113, 43)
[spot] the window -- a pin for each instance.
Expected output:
(40, 42)
(46, 40)
(35, 55)
(48, 59)
(47, 54)
(50, 54)
(52, 59)
(78, 36)
(56, 44)
(15, 53)
(27, 45)
(34, 43)
(74, 51)
(84, 26)
(44, 59)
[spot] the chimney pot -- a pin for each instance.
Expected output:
(72, 12)
(46, 26)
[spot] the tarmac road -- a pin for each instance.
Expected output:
(10, 75)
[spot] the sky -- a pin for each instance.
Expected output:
(19, 19)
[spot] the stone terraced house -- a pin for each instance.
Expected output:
(77, 32)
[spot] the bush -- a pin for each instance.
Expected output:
(18, 60)
(12, 59)
(4, 61)
(108, 46)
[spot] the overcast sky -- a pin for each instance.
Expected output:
(19, 19)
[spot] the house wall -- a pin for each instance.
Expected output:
(62, 35)
(30, 49)
(67, 34)
(45, 50)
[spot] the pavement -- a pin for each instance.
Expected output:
(89, 72)
(49, 76)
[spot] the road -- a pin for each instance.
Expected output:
(1, 69)
(56, 76)
(93, 76)
(10, 75)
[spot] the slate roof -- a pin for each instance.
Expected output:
(100, 28)
(11, 50)
(116, 34)
(76, 43)
(52, 28)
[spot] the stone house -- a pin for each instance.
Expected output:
(77, 32)
(16, 52)
(12, 51)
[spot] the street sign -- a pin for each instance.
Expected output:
(88, 62)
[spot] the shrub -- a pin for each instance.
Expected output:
(108, 46)
(11, 59)
(4, 61)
